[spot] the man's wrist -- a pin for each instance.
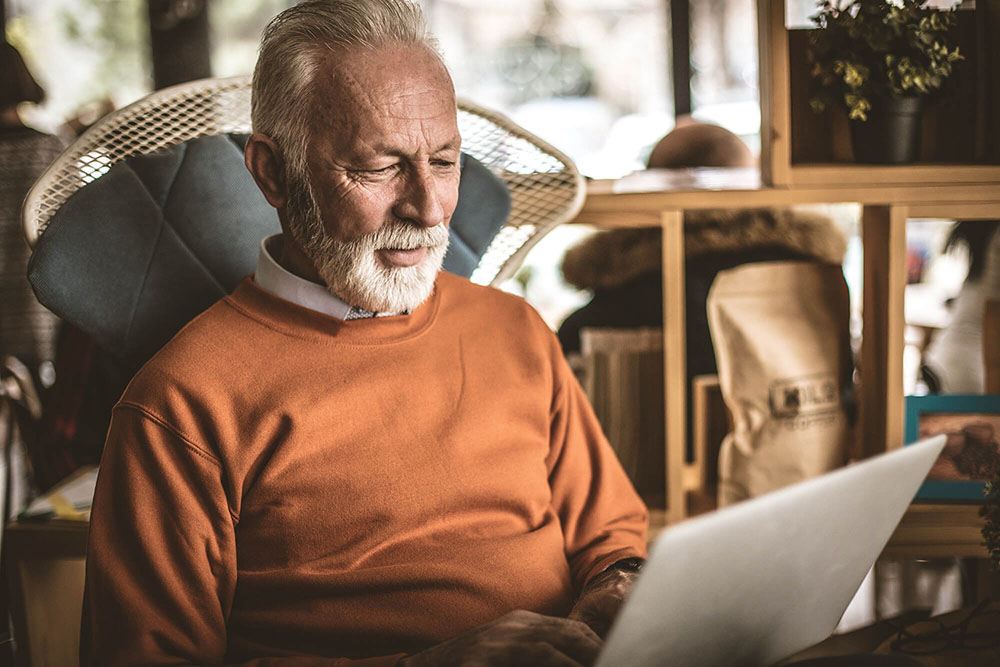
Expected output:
(622, 569)
(633, 564)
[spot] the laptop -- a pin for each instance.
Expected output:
(756, 582)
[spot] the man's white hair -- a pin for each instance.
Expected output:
(295, 41)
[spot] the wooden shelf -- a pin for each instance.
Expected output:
(639, 199)
(937, 530)
(855, 174)
(925, 531)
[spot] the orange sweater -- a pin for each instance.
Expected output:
(278, 483)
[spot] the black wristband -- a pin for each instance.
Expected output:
(626, 565)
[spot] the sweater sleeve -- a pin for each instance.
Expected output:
(161, 562)
(602, 516)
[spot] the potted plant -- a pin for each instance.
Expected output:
(880, 59)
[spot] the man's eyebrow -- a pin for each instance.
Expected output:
(377, 150)
(452, 145)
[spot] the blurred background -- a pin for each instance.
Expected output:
(602, 80)
(595, 78)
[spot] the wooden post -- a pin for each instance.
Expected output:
(674, 354)
(680, 55)
(988, 16)
(883, 234)
(179, 41)
(991, 346)
(775, 94)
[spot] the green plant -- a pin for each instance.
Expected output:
(870, 49)
(991, 530)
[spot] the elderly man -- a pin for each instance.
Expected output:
(354, 456)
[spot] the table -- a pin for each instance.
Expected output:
(45, 564)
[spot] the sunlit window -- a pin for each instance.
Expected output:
(590, 77)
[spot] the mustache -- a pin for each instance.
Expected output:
(399, 235)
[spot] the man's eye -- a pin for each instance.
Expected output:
(381, 172)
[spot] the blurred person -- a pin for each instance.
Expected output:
(70, 409)
(27, 330)
(953, 360)
(356, 456)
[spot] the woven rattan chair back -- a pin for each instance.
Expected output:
(545, 187)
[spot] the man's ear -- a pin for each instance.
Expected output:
(263, 158)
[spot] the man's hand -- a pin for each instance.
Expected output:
(519, 638)
(599, 602)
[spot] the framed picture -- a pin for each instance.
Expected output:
(971, 456)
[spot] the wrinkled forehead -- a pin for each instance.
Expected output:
(401, 82)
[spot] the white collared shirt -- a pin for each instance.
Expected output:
(277, 280)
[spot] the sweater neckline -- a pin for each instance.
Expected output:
(300, 322)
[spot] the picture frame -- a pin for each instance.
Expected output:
(972, 454)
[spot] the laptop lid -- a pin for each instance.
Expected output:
(758, 581)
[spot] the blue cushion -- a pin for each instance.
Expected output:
(483, 207)
(135, 255)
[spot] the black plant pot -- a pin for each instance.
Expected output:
(891, 135)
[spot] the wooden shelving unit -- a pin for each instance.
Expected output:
(806, 159)
(660, 197)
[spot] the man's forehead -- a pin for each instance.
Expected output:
(404, 82)
(394, 98)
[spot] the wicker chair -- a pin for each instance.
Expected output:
(544, 185)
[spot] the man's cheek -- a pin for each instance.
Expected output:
(451, 199)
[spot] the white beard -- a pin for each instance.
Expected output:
(353, 272)
(351, 269)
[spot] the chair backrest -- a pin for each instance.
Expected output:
(150, 216)
(545, 186)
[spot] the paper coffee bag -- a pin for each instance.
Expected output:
(780, 332)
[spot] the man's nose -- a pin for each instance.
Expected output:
(421, 201)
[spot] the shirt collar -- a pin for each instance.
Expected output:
(274, 278)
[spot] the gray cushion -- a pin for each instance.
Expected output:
(135, 255)
(483, 207)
